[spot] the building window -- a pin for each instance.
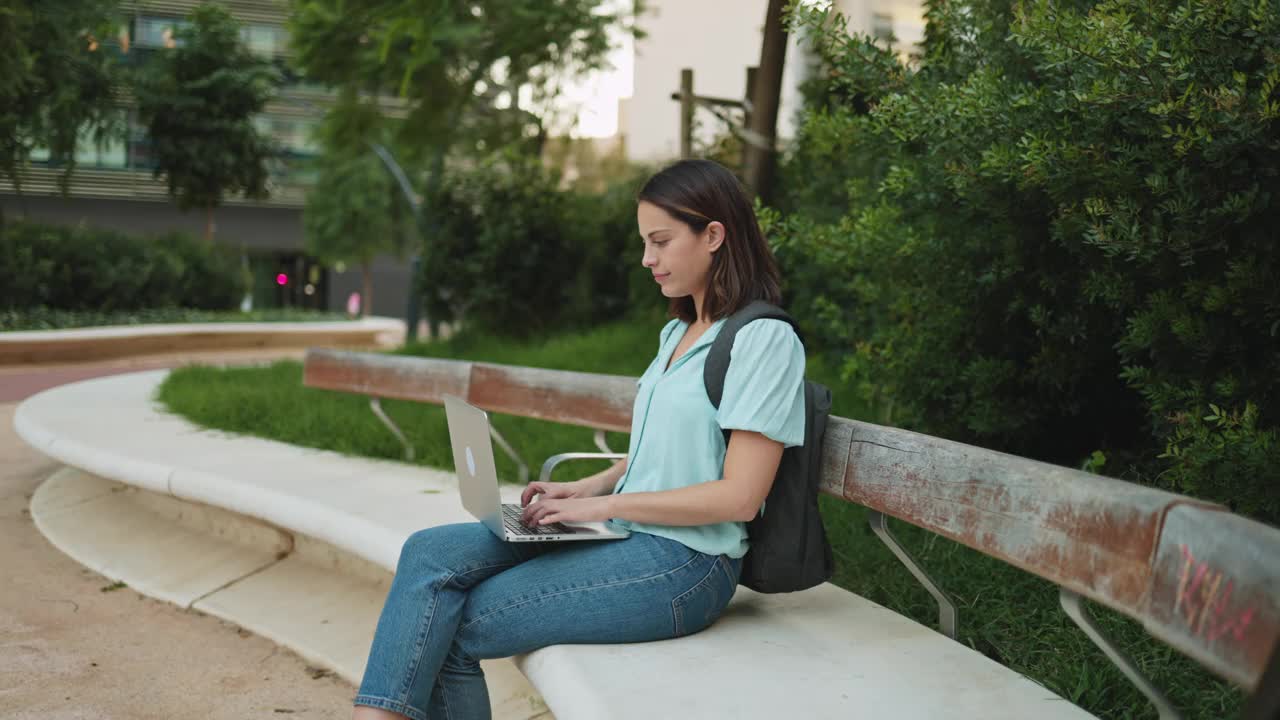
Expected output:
(110, 154)
(265, 40)
(160, 32)
(294, 147)
(292, 135)
(157, 32)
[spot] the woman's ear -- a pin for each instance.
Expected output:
(715, 235)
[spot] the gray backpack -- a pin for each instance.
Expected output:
(789, 548)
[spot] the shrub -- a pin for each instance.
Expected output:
(1056, 234)
(515, 254)
(611, 281)
(82, 268)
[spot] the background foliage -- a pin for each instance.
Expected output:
(1054, 235)
(61, 267)
(354, 211)
(517, 254)
(56, 77)
(475, 79)
(198, 101)
(451, 60)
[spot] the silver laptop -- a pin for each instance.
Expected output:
(478, 484)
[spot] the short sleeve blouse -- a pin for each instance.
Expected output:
(676, 434)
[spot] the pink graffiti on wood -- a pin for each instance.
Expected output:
(1204, 602)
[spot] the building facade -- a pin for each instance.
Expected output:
(113, 184)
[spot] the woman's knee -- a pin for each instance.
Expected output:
(451, 549)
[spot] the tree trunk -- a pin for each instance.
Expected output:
(366, 294)
(208, 223)
(761, 161)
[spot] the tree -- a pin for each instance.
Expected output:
(56, 79)
(761, 154)
(351, 213)
(1057, 235)
(348, 217)
(198, 101)
(446, 57)
(457, 63)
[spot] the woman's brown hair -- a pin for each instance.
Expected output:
(697, 193)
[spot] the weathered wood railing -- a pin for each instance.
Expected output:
(1198, 577)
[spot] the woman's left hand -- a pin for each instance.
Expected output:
(585, 509)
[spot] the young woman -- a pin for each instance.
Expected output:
(461, 595)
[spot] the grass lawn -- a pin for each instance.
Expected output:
(50, 319)
(1008, 615)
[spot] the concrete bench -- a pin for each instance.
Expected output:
(1197, 577)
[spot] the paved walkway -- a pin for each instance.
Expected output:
(70, 650)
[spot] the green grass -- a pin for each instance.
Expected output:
(271, 402)
(42, 318)
(1008, 615)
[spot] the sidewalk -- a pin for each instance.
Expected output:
(69, 650)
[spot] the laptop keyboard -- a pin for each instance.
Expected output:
(511, 521)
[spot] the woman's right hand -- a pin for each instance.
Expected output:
(554, 491)
(575, 489)
(602, 483)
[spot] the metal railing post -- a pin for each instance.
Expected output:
(947, 620)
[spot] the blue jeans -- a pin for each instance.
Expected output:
(461, 595)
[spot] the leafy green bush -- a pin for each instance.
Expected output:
(1223, 454)
(611, 281)
(1056, 233)
(515, 254)
(80, 268)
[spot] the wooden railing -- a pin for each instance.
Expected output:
(1198, 577)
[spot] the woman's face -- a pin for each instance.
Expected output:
(679, 258)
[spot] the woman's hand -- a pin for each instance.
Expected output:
(573, 489)
(551, 509)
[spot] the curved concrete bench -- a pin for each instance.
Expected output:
(208, 521)
(101, 343)
(821, 653)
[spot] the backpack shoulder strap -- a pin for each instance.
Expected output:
(718, 356)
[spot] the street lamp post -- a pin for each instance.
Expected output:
(415, 265)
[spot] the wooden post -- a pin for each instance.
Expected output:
(686, 113)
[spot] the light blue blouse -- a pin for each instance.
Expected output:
(676, 438)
